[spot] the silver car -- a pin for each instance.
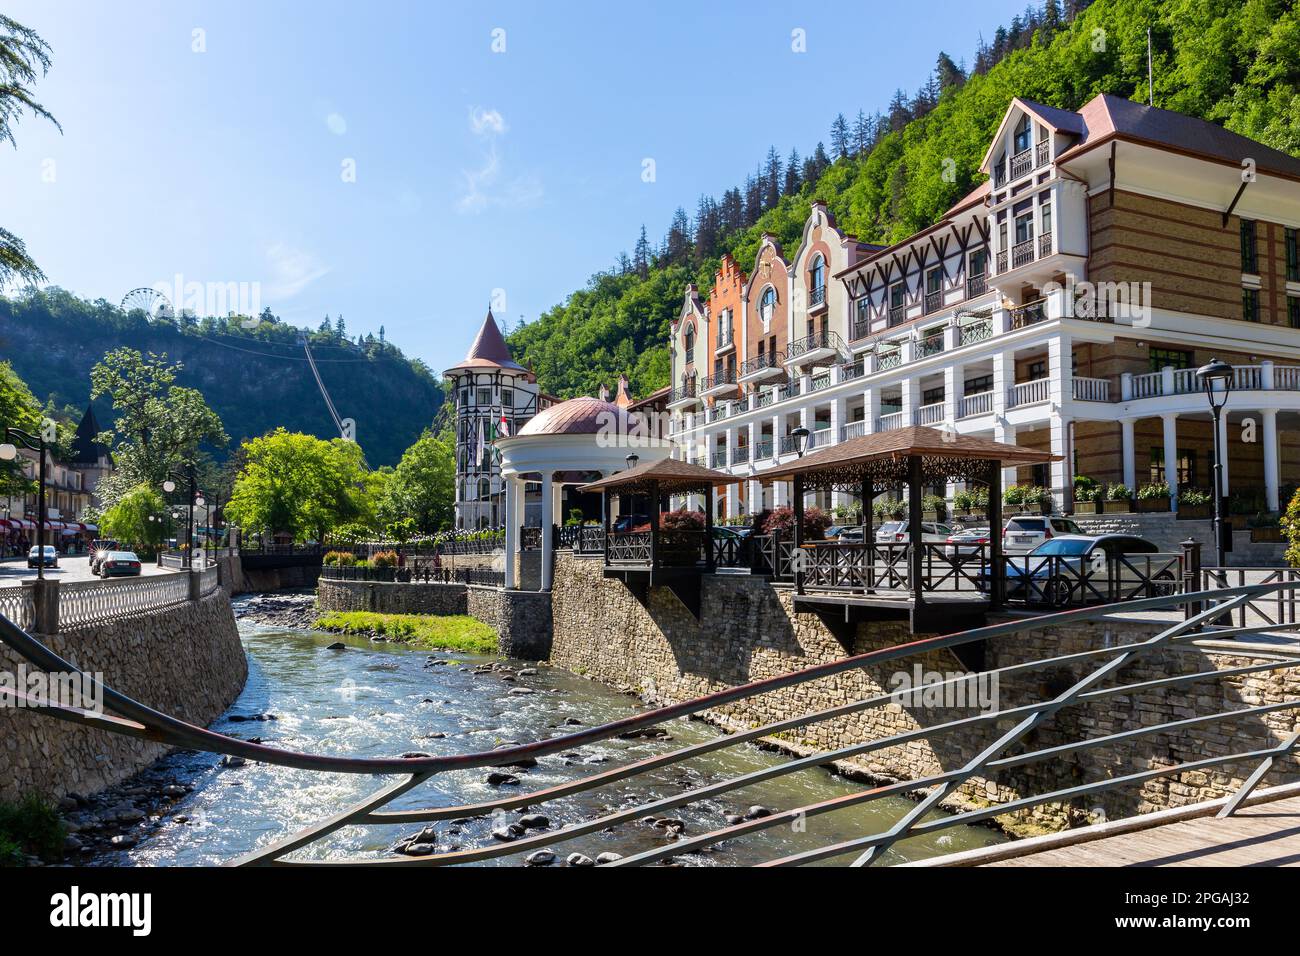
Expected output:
(896, 532)
(1022, 534)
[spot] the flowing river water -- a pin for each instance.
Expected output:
(384, 700)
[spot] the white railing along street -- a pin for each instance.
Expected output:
(17, 605)
(97, 602)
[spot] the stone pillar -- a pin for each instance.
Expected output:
(512, 530)
(1272, 477)
(548, 544)
(1127, 453)
(1170, 420)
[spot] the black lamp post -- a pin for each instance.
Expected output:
(1216, 378)
(8, 452)
(169, 486)
(801, 436)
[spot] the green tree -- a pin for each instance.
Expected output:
(24, 58)
(300, 485)
(158, 425)
(18, 409)
(129, 520)
(421, 487)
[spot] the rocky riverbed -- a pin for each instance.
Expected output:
(294, 610)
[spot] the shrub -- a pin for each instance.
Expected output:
(963, 500)
(1014, 495)
(1291, 530)
(682, 520)
(1086, 489)
(30, 826)
(384, 559)
(935, 503)
(1194, 497)
(889, 508)
(1119, 493)
(781, 520)
(1155, 489)
(338, 559)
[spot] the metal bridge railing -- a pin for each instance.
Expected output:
(1099, 678)
(97, 602)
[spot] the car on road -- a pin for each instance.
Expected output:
(1022, 534)
(119, 564)
(1079, 567)
(98, 549)
(963, 544)
(48, 556)
(895, 532)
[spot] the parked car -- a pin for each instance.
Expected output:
(119, 564)
(98, 549)
(896, 532)
(967, 543)
(48, 556)
(1022, 534)
(1082, 566)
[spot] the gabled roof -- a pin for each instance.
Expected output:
(669, 474)
(1109, 117)
(1062, 121)
(86, 447)
(489, 350)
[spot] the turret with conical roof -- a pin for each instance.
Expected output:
(489, 351)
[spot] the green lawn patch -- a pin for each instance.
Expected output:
(455, 632)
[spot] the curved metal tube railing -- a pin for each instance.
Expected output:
(144, 722)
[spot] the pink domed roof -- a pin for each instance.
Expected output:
(577, 416)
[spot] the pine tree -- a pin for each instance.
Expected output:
(772, 178)
(792, 181)
(861, 133)
(947, 74)
(840, 136)
(340, 329)
(641, 255)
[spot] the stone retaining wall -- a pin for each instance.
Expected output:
(186, 661)
(522, 619)
(749, 631)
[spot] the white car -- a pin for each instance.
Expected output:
(896, 532)
(967, 543)
(1022, 534)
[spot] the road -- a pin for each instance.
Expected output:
(12, 573)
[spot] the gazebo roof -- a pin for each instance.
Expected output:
(884, 456)
(668, 474)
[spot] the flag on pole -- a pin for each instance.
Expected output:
(503, 427)
(480, 444)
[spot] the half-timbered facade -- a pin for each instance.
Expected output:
(1063, 305)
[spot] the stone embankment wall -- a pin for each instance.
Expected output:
(186, 661)
(749, 631)
(522, 619)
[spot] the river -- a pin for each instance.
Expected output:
(384, 700)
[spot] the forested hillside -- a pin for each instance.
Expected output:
(255, 378)
(1235, 62)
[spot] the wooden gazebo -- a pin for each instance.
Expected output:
(914, 456)
(670, 557)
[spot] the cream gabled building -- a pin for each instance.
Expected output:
(1063, 305)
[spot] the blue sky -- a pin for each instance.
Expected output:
(475, 170)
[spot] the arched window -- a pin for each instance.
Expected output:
(767, 305)
(1024, 133)
(688, 342)
(817, 279)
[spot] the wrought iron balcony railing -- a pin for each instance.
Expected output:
(897, 315)
(1022, 163)
(762, 362)
(1022, 253)
(816, 296)
(931, 345)
(976, 285)
(686, 390)
(818, 341)
(1031, 313)
(933, 301)
(719, 379)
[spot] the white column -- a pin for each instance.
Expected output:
(548, 511)
(1127, 452)
(1004, 376)
(954, 383)
(1060, 370)
(512, 530)
(1170, 420)
(1007, 435)
(1271, 475)
(1062, 471)
(871, 409)
(911, 399)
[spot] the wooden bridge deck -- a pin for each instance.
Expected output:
(1263, 835)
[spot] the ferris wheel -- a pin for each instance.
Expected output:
(151, 302)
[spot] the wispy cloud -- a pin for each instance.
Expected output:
(486, 186)
(292, 270)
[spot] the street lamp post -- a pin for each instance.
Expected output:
(1216, 378)
(169, 486)
(8, 452)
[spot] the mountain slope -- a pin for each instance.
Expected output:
(1236, 62)
(255, 379)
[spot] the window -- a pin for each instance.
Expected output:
(1037, 370)
(1174, 358)
(1250, 305)
(1293, 311)
(508, 397)
(1024, 134)
(818, 277)
(978, 385)
(688, 341)
(932, 396)
(767, 305)
(1292, 257)
(933, 281)
(979, 262)
(1024, 228)
(484, 489)
(1046, 214)
(1249, 256)
(484, 396)
(1186, 466)
(724, 328)
(896, 293)
(864, 313)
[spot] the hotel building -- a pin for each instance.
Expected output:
(1063, 305)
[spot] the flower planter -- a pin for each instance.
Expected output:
(933, 516)
(1089, 507)
(1012, 510)
(1195, 512)
(1117, 507)
(1266, 535)
(1151, 505)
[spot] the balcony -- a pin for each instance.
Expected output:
(931, 414)
(1027, 252)
(974, 332)
(897, 315)
(684, 396)
(861, 327)
(1090, 389)
(740, 454)
(976, 285)
(978, 403)
(1029, 393)
(721, 382)
(887, 360)
(761, 367)
(1022, 253)
(930, 345)
(817, 299)
(1022, 164)
(1031, 313)
(718, 459)
(1001, 261)
(726, 342)
(1044, 245)
(853, 430)
(933, 301)
(763, 449)
(1041, 153)
(818, 347)
(890, 421)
